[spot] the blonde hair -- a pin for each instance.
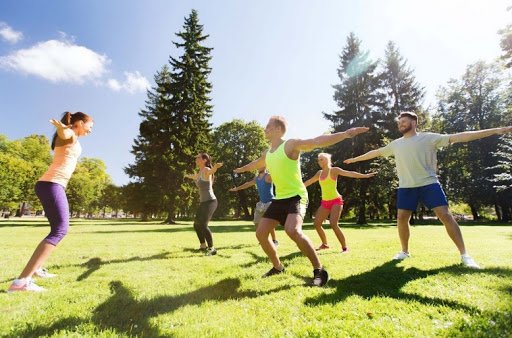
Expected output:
(327, 156)
(279, 121)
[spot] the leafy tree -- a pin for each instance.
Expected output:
(236, 143)
(474, 102)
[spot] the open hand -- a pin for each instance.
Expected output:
(59, 124)
(356, 131)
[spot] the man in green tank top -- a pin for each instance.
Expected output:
(289, 206)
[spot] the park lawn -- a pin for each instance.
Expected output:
(129, 278)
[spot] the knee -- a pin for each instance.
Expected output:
(261, 234)
(294, 234)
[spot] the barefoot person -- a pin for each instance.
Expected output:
(416, 164)
(332, 202)
(289, 206)
(263, 182)
(208, 202)
(50, 189)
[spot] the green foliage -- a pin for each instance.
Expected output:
(236, 143)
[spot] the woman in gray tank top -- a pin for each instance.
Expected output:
(208, 202)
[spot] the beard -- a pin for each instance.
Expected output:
(406, 129)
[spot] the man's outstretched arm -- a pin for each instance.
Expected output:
(468, 136)
(368, 156)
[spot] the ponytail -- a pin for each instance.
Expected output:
(69, 119)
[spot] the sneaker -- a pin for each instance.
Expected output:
(320, 277)
(210, 251)
(322, 247)
(43, 273)
(272, 272)
(469, 262)
(276, 242)
(344, 250)
(25, 284)
(401, 256)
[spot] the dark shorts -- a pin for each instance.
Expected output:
(280, 209)
(431, 195)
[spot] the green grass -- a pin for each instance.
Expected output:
(127, 278)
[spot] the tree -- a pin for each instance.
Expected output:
(502, 180)
(175, 122)
(506, 43)
(235, 143)
(358, 99)
(474, 102)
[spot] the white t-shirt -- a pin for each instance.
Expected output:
(416, 158)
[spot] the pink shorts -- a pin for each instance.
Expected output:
(330, 203)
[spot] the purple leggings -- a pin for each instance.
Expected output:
(56, 208)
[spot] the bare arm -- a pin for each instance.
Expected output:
(244, 186)
(467, 136)
(191, 176)
(312, 179)
(368, 156)
(353, 174)
(324, 140)
(256, 164)
(213, 170)
(63, 131)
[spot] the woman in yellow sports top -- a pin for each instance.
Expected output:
(332, 202)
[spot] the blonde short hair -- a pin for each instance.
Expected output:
(279, 121)
(327, 156)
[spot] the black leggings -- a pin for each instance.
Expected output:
(203, 216)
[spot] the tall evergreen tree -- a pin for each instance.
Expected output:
(357, 97)
(175, 122)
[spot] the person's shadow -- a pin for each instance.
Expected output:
(388, 279)
(124, 313)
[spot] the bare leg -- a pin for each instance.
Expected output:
(320, 217)
(403, 228)
(335, 217)
(293, 228)
(265, 226)
(273, 234)
(452, 227)
(41, 253)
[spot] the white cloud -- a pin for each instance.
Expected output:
(9, 34)
(57, 61)
(133, 83)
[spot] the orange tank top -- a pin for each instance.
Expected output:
(63, 165)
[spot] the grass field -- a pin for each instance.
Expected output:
(128, 278)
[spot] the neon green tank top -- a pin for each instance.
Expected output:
(286, 175)
(328, 185)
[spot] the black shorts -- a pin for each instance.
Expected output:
(280, 209)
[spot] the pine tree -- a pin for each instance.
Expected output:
(358, 100)
(175, 123)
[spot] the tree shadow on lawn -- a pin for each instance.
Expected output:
(124, 313)
(185, 228)
(388, 279)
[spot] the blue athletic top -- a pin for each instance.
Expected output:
(264, 189)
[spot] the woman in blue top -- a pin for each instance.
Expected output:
(263, 183)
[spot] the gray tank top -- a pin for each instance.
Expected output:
(205, 189)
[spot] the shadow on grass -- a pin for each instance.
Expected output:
(388, 279)
(124, 313)
(187, 228)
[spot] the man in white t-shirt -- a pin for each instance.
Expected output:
(416, 164)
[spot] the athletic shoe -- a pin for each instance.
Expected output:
(401, 256)
(276, 242)
(43, 273)
(25, 284)
(272, 272)
(344, 250)
(211, 251)
(322, 247)
(320, 277)
(469, 262)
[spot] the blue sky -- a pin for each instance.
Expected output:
(269, 57)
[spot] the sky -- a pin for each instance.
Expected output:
(269, 58)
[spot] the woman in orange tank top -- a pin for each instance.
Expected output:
(50, 189)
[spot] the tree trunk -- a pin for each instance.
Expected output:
(474, 212)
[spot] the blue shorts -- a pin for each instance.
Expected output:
(431, 195)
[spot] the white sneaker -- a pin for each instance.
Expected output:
(469, 262)
(25, 284)
(43, 273)
(401, 256)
